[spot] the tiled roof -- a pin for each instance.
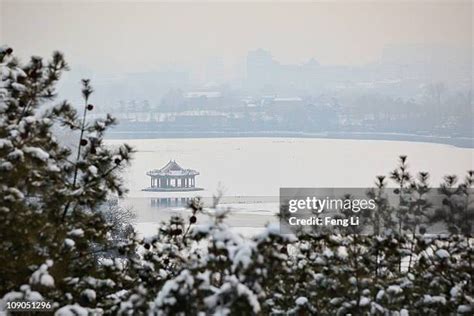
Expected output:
(172, 168)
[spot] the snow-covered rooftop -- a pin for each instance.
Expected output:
(199, 94)
(172, 168)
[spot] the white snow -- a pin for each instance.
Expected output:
(394, 289)
(41, 276)
(69, 242)
(47, 280)
(25, 293)
(72, 310)
(6, 165)
(464, 309)
(172, 285)
(18, 86)
(29, 119)
(342, 252)
(380, 295)
(53, 167)
(36, 152)
(428, 299)
(93, 170)
(5, 143)
(404, 312)
(328, 253)
(364, 301)
(107, 262)
(442, 253)
(78, 232)
(243, 256)
(301, 300)
(12, 296)
(454, 291)
(16, 154)
(90, 294)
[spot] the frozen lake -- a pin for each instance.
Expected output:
(253, 169)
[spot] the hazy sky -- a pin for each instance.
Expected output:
(139, 36)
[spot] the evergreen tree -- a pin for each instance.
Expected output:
(402, 177)
(457, 210)
(50, 230)
(381, 217)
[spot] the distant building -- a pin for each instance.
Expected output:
(287, 102)
(202, 94)
(172, 177)
(203, 99)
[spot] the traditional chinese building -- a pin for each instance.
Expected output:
(172, 177)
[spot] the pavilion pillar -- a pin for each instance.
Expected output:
(151, 182)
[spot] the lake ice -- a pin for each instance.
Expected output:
(250, 171)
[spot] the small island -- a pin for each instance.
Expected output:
(172, 178)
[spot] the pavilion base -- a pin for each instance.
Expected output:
(154, 189)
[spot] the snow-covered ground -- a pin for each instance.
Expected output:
(250, 171)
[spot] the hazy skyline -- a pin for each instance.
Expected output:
(123, 36)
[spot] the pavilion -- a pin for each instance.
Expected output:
(172, 177)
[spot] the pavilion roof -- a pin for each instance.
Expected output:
(172, 168)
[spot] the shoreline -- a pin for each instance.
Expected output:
(460, 142)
